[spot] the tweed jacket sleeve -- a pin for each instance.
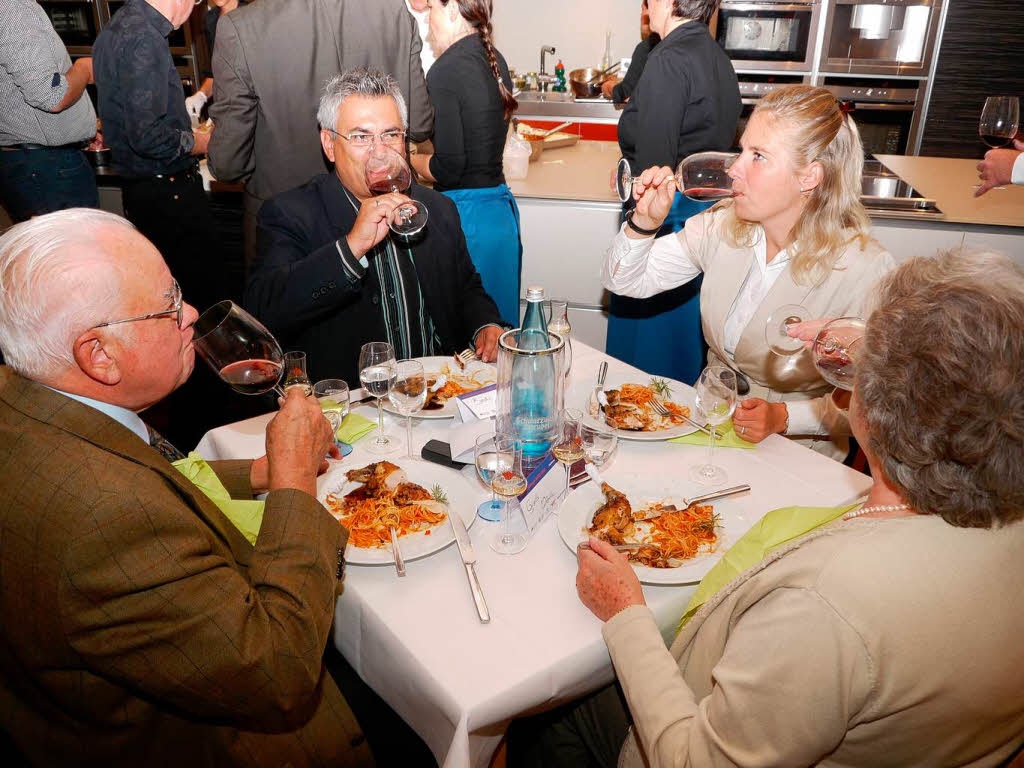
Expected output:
(234, 473)
(150, 600)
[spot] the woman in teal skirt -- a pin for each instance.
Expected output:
(471, 92)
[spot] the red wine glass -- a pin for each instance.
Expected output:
(999, 121)
(703, 176)
(239, 349)
(835, 351)
(386, 172)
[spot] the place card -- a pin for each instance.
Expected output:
(478, 404)
(543, 493)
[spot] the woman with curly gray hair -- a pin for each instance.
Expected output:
(884, 633)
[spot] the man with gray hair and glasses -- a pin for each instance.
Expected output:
(329, 276)
(140, 626)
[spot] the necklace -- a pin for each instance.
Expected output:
(875, 508)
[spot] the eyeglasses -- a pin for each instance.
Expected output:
(362, 140)
(176, 311)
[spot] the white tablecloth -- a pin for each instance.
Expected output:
(417, 641)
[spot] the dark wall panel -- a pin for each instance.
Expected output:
(982, 55)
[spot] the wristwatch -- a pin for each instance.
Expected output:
(638, 229)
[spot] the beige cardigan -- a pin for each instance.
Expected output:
(844, 292)
(893, 642)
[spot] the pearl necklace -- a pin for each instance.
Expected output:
(875, 508)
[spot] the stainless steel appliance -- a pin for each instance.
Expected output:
(769, 34)
(752, 88)
(880, 36)
(887, 115)
(76, 22)
(885, 194)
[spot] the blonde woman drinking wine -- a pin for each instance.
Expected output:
(795, 233)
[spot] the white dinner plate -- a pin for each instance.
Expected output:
(682, 394)
(577, 512)
(461, 501)
(483, 373)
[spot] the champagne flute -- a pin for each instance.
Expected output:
(409, 394)
(835, 350)
(716, 398)
(295, 373)
(485, 454)
(239, 349)
(702, 176)
(386, 171)
(568, 446)
(776, 329)
(508, 481)
(334, 402)
(558, 322)
(1000, 118)
(377, 375)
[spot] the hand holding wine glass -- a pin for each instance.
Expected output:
(1000, 118)
(702, 176)
(295, 374)
(835, 351)
(387, 173)
(409, 394)
(377, 375)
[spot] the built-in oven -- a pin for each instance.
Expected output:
(752, 88)
(76, 22)
(179, 40)
(768, 34)
(887, 113)
(893, 37)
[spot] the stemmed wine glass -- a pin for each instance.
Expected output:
(568, 446)
(599, 443)
(835, 350)
(486, 458)
(377, 375)
(558, 322)
(1000, 118)
(239, 349)
(387, 171)
(776, 329)
(508, 481)
(408, 394)
(716, 398)
(334, 402)
(295, 372)
(702, 176)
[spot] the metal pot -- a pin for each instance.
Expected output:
(581, 88)
(100, 158)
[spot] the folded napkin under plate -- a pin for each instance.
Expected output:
(729, 438)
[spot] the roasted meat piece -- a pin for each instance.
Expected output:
(379, 477)
(613, 520)
(410, 493)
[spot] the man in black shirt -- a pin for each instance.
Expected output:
(142, 106)
(330, 277)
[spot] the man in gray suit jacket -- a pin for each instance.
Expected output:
(270, 62)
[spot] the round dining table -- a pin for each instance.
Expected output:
(418, 641)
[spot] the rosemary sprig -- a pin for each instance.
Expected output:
(437, 494)
(660, 387)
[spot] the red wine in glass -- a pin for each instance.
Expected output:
(397, 183)
(707, 194)
(251, 377)
(994, 140)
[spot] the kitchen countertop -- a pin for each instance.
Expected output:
(950, 183)
(580, 172)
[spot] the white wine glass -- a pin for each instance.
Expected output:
(835, 351)
(377, 375)
(716, 398)
(508, 481)
(1000, 118)
(776, 329)
(409, 394)
(599, 443)
(334, 402)
(702, 176)
(485, 454)
(568, 446)
(295, 374)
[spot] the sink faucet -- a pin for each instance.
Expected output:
(543, 78)
(544, 50)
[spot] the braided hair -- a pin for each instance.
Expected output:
(478, 15)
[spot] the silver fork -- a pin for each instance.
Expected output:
(665, 412)
(468, 355)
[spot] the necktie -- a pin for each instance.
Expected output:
(163, 445)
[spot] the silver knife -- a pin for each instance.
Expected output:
(469, 559)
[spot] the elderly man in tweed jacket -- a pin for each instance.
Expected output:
(139, 626)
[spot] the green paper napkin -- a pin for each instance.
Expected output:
(354, 427)
(729, 438)
(245, 515)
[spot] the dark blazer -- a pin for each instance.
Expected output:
(139, 626)
(301, 290)
(270, 64)
(687, 100)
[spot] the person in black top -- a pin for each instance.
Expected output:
(471, 92)
(620, 89)
(329, 277)
(214, 10)
(687, 100)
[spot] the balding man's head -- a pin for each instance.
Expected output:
(64, 275)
